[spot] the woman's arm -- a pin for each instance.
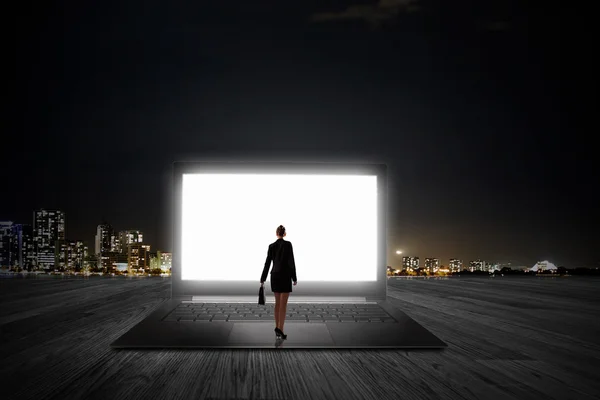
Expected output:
(263, 277)
(292, 263)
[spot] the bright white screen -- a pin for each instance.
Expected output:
(229, 220)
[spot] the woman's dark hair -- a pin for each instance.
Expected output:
(280, 230)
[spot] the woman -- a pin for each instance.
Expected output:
(282, 275)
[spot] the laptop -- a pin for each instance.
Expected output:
(225, 215)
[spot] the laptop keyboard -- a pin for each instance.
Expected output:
(295, 312)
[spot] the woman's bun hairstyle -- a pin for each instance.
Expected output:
(280, 230)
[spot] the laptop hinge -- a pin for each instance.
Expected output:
(271, 299)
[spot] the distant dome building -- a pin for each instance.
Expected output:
(543, 266)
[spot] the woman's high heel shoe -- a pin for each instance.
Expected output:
(280, 333)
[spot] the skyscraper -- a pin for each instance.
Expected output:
(137, 257)
(23, 247)
(166, 259)
(104, 235)
(48, 228)
(410, 262)
(432, 265)
(455, 265)
(154, 260)
(6, 240)
(129, 237)
(70, 254)
(477, 265)
(114, 243)
(104, 232)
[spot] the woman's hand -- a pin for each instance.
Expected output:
(295, 283)
(262, 284)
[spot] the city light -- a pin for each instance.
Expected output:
(42, 248)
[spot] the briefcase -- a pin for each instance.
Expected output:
(261, 296)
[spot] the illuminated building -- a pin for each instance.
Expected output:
(115, 246)
(104, 245)
(22, 247)
(70, 254)
(477, 265)
(492, 266)
(48, 228)
(5, 244)
(410, 262)
(166, 260)
(104, 233)
(161, 260)
(455, 265)
(129, 237)
(543, 266)
(432, 265)
(154, 260)
(137, 257)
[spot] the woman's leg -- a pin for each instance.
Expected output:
(282, 308)
(277, 297)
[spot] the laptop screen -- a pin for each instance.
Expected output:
(228, 221)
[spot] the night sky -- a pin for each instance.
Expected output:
(476, 107)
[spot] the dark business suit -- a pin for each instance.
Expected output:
(284, 266)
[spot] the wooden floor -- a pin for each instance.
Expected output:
(508, 338)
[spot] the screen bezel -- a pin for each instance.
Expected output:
(370, 289)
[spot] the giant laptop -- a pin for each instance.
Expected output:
(225, 215)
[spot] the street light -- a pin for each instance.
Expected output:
(398, 252)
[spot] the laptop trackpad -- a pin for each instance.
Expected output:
(299, 334)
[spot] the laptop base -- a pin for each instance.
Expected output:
(153, 332)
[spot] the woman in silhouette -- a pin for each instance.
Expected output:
(282, 275)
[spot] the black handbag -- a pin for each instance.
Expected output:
(261, 296)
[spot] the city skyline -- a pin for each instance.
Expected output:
(45, 245)
(397, 258)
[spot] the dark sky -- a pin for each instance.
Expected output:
(477, 107)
